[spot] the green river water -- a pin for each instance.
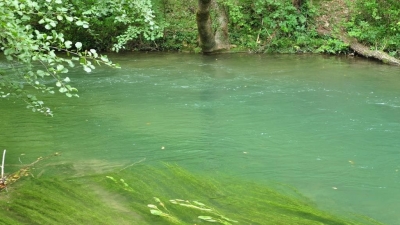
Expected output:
(327, 126)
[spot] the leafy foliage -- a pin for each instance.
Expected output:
(38, 53)
(270, 26)
(333, 46)
(179, 19)
(114, 25)
(377, 23)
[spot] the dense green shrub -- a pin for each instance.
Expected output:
(377, 23)
(30, 40)
(112, 25)
(180, 30)
(271, 26)
(254, 25)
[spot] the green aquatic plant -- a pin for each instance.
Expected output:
(202, 207)
(247, 201)
(62, 195)
(156, 211)
(192, 205)
(122, 183)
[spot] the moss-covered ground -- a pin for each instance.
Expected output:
(141, 194)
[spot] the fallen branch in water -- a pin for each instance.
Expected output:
(24, 171)
(367, 52)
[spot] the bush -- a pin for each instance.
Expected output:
(377, 23)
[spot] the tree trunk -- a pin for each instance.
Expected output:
(221, 34)
(204, 26)
(211, 41)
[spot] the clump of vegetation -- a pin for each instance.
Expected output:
(180, 30)
(256, 26)
(31, 40)
(272, 26)
(58, 196)
(377, 24)
(196, 205)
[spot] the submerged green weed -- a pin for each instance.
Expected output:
(120, 197)
(193, 205)
(202, 207)
(156, 211)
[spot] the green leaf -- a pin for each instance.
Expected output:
(87, 69)
(62, 90)
(40, 73)
(152, 206)
(207, 218)
(69, 18)
(230, 220)
(25, 18)
(68, 44)
(198, 203)
(78, 45)
(60, 67)
(156, 212)
(111, 178)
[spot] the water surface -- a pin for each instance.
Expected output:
(328, 126)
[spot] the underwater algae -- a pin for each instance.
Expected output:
(175, 195)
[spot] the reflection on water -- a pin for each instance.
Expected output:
(327, 126)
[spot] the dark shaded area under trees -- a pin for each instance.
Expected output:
(260, 26)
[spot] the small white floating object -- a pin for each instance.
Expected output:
(162, 147)
(334, 188)
(244, 152)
